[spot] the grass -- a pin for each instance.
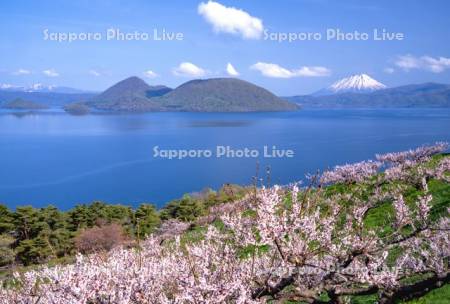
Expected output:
(438, 296)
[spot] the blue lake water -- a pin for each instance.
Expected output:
(55, 158)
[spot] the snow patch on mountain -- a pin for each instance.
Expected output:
(39, 87)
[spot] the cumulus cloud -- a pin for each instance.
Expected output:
(272, 70)
(95, 73)
(150, 74)
(231, 70)
(314, 71)
(407, 62)
(22, 72)
(432, 64)
(231, 20)
(436, 65)
(275, 71)
(51, 73)
(187, 69)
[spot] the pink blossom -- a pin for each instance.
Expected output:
(351, 172)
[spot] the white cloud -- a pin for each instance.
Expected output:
(22, 72)
(231, 20)
(187, 69)
(275, 71)
(389, 70)
(435, 65)
(95, 73)
(313, 71)
(231, 70)
(150, 74)
(50, 73)
(272, 70)
(407, 62)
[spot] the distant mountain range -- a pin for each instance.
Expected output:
(50, 99)
(209, 95)
(41, 88)
(225, 95)
(46, 95)
(427, 95)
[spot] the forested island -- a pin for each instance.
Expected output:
(77, 108)
(372, 232)
(201, 95)
(22, 104)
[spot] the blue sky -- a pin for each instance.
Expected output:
(216, 34)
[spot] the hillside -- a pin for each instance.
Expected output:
(369, 232)
(210, 95)
(22, 104)
(129, 95)
(223, 95)
(427, 95)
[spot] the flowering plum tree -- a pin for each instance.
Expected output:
(318, 244)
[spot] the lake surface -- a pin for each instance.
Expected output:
(55, 158)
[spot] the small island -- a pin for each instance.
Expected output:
(77, 108)
(22, 104)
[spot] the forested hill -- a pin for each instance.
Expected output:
(223, 95)
(129, 95)
(209, 95)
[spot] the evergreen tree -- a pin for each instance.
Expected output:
(7, 254)
(78, 217)
(26, 222)
(146, 220)
(6, 220)
(189, 209)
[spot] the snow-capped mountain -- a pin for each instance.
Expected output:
(39, 87)
(361, 83)
(10, 87)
